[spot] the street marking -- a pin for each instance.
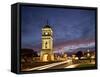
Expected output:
(52, 65)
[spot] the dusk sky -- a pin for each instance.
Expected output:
(67, 24)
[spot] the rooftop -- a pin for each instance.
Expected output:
(46, 26)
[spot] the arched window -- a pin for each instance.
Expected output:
(46, 45)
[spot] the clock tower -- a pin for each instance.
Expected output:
(47, 44)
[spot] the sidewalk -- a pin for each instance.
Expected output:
(72, 66)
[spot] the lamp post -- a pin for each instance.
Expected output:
(88, 55)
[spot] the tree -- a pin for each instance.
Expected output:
(79, 54)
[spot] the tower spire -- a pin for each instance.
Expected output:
(47, 22)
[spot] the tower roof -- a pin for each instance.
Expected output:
(46, 26)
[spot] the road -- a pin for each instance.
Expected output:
(57, 65)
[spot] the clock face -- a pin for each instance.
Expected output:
(46, 33)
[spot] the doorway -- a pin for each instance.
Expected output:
(45, 57)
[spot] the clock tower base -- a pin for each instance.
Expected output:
(46, 56)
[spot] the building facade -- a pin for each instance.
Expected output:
(46, 53)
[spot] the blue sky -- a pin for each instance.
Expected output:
(67, 24)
